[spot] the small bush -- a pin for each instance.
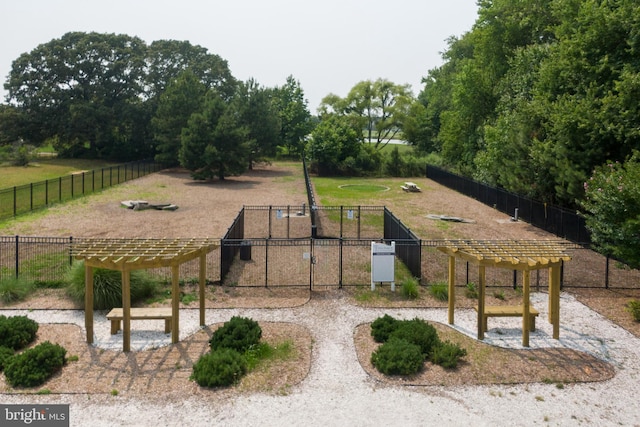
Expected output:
(410, 288)
(239, 333)
(107, 286)
(219, 368)
(6, 353)
(440, 291)
(447, 354)
(398, 357)
(17, 332)
(35, 366)
(15, 289)
(382, 327)
(471, 291)
(633, 307)
(418, 332)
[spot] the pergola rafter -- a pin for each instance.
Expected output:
(522, 255)
(126, 255)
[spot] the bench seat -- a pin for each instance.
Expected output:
(142, 313)
(508, 311)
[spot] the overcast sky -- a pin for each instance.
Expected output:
(328, 46)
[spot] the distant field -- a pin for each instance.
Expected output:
(42, 170)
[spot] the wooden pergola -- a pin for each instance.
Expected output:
(125, 255)
(521, 255)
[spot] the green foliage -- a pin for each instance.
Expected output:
(410, 288)
(264, 352)
(6, 353)
(398, 357)
(383, 327)
(219, 368)
(633, 307)
(35, 366)
(334, 145)
(612, 207)
(14, 289)
(447, 354)
(239, 333)
(17, 332)
(418, 332)
(471, 291)
(107, 286)
(439, 291)
(22, 154)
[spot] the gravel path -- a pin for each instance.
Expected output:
(339, 392)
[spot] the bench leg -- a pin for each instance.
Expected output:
(532, 322)
(167, 326)
(115, 326)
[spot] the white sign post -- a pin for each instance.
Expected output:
(383, 264)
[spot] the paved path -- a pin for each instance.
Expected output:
(339, 392)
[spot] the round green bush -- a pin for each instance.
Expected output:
(398, 357)
(219, 368)
(418, 332)
(6, 353)
(382, 327)
(17, 332)
(447, 355)
(107, 286)
(239, 333)
(35, 366)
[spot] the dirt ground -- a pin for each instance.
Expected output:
(207, 209)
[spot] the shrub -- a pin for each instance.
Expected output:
(14, 289)
(447, 354)
(219, 368)
(239, 333)
(382, 327)
(633, 307)
(418, 332)
(107, 286)
(398, 357)
(410, 288)
(35, 366)
(471, 291)
(6, 353)
(17, 332)
(440, 291)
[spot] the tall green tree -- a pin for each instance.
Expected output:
(378, 108)
(177, 103)
(214, 143)
(334, 145)
(295, 118)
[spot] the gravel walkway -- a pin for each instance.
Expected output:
(339, 392)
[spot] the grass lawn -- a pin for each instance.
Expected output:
(44, 169)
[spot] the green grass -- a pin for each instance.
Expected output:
(41, 170)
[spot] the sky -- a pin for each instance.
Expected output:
(327, 46)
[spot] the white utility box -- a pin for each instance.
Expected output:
(383, 264)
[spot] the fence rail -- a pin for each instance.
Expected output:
(21, 199)
(310, 262)
(554, 219)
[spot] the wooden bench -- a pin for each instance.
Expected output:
(116, 316)
(508, 311)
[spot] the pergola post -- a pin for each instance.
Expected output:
(452, 287)
(88, 302)
(481, 292)
(175, 303)
(554, 299)
(203, 279)
(526, 307)
(126, 309)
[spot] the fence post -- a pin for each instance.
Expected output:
(70, 250)
(17, 257)
(15, 198)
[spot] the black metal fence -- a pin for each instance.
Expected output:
(26, 198)
(559, 221)
(308, 262)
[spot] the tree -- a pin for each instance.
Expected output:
(180, 100)
(295, 118)
(256, 110)
(77, 89)
(378, 109)
(214, 143)
(612, 205)
(334, 144)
